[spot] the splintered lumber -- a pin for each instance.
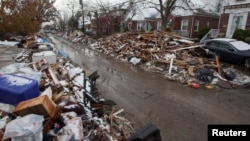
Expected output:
(191, 70)
(118, 112)
(111, 121)
(187, 48)
(163, 61)
(218, 64)
(34, 66)
(53, 76)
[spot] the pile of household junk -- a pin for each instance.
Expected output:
(176, 58)
(45, 96)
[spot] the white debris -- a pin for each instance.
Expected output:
(135, 60)
(16, 80)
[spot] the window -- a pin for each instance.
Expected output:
(159, 25)
(207, 24)
(225, 46)
(169, 23)
(139, 26)
(212, 44)
(236, 23)
(184, 25)
(147, 26)
(129, 26)
(196, 25)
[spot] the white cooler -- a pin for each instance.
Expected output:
(50, 56)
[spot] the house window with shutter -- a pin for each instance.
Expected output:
(159, 25)
(184, 25)
(196, 25)
(139, 26)
(129, 26)
(207, 23)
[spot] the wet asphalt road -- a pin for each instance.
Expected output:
(182, 113)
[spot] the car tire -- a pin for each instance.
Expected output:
(247, 63)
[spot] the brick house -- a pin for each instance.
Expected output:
(145, 19)
(235, 15)
(189, 25)
(109, 22)
(183, 22)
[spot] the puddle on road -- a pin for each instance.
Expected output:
(143, 93)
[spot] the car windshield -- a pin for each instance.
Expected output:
(240, 45)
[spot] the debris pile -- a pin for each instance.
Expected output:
(77, 37)
(68, 105)
(175, 57)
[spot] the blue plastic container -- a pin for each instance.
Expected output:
(14, 89)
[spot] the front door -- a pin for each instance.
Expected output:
(236, 21)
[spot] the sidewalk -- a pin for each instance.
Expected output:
(7, 53)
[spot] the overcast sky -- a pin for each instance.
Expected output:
(62, 4)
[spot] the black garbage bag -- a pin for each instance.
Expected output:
(229, 74)
(204, 75)
(149, 133)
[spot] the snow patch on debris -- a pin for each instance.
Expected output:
(18, 81)
(21, 69)
(8, 43)
(135, 60)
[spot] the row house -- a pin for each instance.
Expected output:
(189, 25)
(185, 21)
(143, 19)
(223, 15)
(235, 15)
(109, 22)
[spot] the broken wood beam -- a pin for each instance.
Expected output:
(53, 76)
(218, 64)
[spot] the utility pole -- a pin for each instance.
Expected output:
(81, 3)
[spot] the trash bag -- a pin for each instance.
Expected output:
(148, 133)
(72, 131)
(27, 128)
(204, 75)
(229, 73)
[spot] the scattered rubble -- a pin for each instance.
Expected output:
(77, 37)
(68, 105)
(176, 58)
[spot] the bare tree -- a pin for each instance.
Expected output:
(105, 11)
(166, 7)
(62, 20)
(165, 10)
(26, 16)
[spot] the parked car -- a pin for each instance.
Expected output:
(230, 50)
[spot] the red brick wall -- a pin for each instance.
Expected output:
(223, 23)
(248, 21)
(213, 23)
(153, 24)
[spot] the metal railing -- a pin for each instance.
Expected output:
(212, 33)
(182, 33)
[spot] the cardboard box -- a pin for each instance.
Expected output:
(41, 105)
